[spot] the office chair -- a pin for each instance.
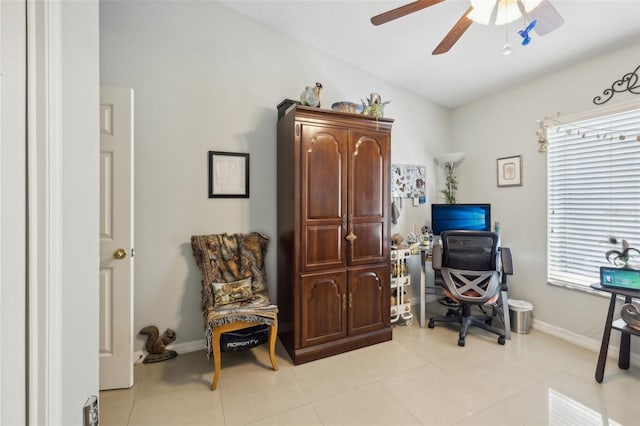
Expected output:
(472, 269)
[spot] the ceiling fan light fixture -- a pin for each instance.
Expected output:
(482, 11)
(507, 10)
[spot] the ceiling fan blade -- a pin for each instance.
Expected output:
(548, 18)
(403, 11)
(456, 32)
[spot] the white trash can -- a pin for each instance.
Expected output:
(520, 316)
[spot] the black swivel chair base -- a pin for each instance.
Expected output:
(466, 320)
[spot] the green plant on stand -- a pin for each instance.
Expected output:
(452, 186)
(449, 162)
(621, 257)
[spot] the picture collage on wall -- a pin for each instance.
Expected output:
(409, 181)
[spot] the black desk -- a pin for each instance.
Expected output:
(620, 325)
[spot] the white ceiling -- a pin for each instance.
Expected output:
(400, 51)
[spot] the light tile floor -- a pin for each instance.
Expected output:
(421, 377)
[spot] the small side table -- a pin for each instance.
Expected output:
(620, 325)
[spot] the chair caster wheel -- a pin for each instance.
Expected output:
(460, 342)
(432, 323)
(408, 323)
(501, 340)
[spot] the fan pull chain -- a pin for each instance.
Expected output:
(506, 49)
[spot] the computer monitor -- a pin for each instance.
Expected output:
(456, 217)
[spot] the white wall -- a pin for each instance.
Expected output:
(503, 125)
(207, 78)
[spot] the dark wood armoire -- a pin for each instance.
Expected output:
(333, 231)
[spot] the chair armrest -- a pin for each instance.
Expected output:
(436, 257)
(507, 264)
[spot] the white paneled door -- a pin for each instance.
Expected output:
(116, 238)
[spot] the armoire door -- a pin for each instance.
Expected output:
(323, 308)
(323, 197)
(368, 299)
(368, 189)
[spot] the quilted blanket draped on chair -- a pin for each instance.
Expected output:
(225, 259)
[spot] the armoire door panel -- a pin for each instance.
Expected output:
(368, 299)
(368, 172)
(323, 308)
(324, 248)
(323, 172)
(323, 190)
(368, 247)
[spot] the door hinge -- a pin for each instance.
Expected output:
(90, 412)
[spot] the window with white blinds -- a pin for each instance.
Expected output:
(593, 194)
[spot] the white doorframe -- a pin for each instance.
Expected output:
(12, 213)
(45, 147)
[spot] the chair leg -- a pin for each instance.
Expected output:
(506, 319)
(273, 336)
(215, 342)
(464, 329)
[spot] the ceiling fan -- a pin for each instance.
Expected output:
(498, 12)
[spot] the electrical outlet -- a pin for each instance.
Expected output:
(91, 415)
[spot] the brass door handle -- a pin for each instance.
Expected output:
(120, 254)
(351, 237)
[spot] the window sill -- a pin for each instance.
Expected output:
(578, 287)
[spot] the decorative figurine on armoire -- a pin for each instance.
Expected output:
(311, 95)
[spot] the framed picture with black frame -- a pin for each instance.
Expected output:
(228, 175)
(510, 171)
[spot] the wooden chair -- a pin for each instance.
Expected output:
(234, 289)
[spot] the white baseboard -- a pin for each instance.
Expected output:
(181, 348)
(561, 333)
(582, 341)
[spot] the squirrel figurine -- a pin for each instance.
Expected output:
(156, 343)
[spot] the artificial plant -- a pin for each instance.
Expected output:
(451, 188)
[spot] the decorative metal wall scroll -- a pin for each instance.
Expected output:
(629, 82)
